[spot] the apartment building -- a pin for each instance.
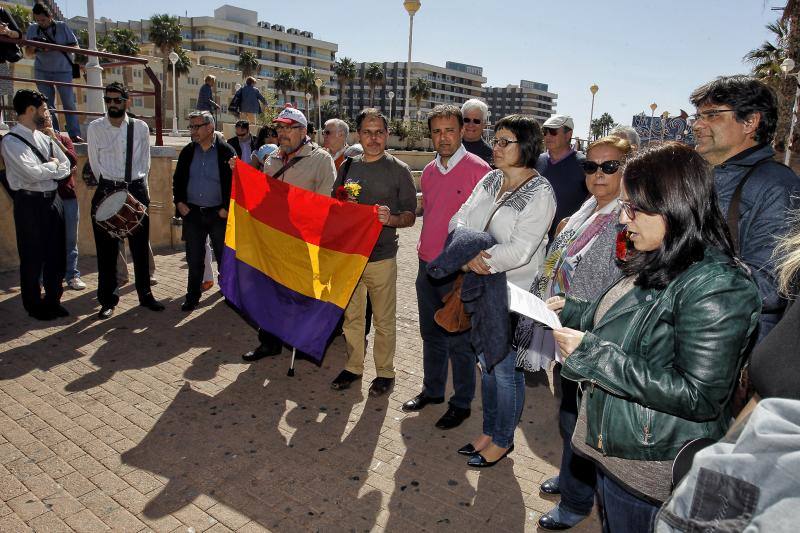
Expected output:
(217, 42)
(454, 83)
(527, 98)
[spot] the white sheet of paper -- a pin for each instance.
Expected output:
(527, 304)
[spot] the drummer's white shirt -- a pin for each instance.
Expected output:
(24, 169)
(107, 146)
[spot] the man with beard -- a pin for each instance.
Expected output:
(108, 147)
(385, 182)
(34, 164)
(303, 164)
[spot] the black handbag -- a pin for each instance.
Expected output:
(236, 101)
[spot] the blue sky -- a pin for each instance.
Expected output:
(637, 52)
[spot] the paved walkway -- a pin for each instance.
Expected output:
(150, 421)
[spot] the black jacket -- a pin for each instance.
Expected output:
(180, 181)
(234, 142)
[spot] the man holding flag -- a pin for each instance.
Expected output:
(301, 163)
(375, 178)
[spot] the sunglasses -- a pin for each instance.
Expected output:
(326, 132)
(501, 142)
(631, 210)
(608, 167)
(287, 128)
(108, 100)
(551, 131)
(472, 121)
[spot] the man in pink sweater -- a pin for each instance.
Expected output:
(446, 183)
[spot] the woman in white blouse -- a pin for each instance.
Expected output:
(519, 225)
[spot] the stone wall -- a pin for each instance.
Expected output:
(161, 209)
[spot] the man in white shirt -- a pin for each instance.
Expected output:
(34, 164)
(108, 139)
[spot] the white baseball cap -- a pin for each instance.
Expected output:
(291, 115)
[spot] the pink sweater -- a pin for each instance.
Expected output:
(442, 196)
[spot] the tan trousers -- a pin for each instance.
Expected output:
(380, 281)
(249, 117)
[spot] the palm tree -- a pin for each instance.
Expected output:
(345, 70)
(284, 82)
(165, 34)
(182, 67)
(374, 77)
(248, 63)
(420, 89)
(123, 41)
(304, 82)
(602, 125)
(765, 64)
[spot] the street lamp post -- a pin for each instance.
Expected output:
(412, 6)
(173, 58)
(653, 107)
(391, 97)
(308, 112)
(94, 72)
(318, 84)
(593, 89)
(786, 67)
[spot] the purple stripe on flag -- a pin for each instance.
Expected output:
(300, 321)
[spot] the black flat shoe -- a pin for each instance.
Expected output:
(467, 449)
(262, 351)
(453, 417)
(189, 306)
(344, 380)
(418, 402)
(105, 312)
(550, 486)
(152, 305)
(478, 461)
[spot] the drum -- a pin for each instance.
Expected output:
(119, 213)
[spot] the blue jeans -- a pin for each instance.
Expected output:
(440, 347)
(622, 512)
(503, 392)
(65, 94)
(71, 218)
(577, 477)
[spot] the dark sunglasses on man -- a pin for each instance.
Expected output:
(608, 167)
(472, 121)
(116, 100)
(551, 131)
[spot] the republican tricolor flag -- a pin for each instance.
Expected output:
(293, 257)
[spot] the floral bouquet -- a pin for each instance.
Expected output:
(349, 191)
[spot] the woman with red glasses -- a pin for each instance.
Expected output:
(581, 262)
(658, 353)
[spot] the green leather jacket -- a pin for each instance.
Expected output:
(660, 366)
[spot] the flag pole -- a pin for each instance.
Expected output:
(290, 373)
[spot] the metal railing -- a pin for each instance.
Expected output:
(118, 60)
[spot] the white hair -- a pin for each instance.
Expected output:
(627, 133)
(474, 103)
(340, 125)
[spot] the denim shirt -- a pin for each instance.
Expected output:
(52, 61)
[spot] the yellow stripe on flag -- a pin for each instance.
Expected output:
(300, 266)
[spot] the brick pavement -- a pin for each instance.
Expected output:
(151, 422)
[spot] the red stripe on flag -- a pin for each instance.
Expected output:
(317, 219)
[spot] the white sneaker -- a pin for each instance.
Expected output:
(76, 284)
